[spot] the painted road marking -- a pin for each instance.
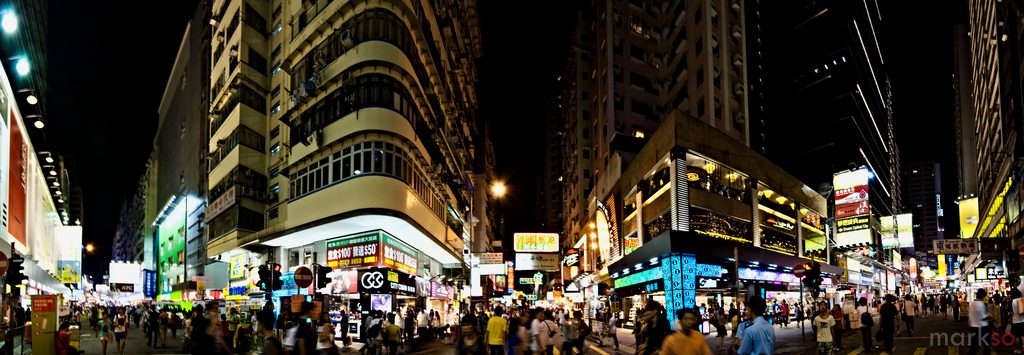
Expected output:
(920, 351)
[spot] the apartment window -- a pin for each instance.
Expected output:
(643, 109)
(637, 53)
(274, 172)
(277, 30)
(277, 12)
(275, 53)
(276, 188)
(586, 133)
(275, 92)
(277, 68)
(272, 213)
(700, 76)
(275, 149)
(274, 132)
(616, 45)
(700, 45)
(700, 108)
(617, 74)
(697, 14)
(586, 153)
(619, 102)
(275, 109)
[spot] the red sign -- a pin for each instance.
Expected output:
(799, 270)
(303, 277)
(3, 263)
(853, 209)
(852, 194)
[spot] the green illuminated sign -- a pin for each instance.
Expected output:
(639, 278)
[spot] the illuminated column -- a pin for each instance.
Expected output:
(680, 189)
(755, 216)
(799, 230)
(680, 272)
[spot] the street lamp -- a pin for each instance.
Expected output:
(9, 22)
(498, 189)
(89, 248)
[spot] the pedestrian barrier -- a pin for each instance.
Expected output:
(16, 341)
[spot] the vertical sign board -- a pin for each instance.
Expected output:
(852, 207)
(44, 324)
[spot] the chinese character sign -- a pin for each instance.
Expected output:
(536, 242)
(399, 255)
(359, 250)
(238, 266)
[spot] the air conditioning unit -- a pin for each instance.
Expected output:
(737, 89)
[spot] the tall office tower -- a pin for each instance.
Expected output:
(922, 196)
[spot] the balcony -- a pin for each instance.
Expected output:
(241, 136)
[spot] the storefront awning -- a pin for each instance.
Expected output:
(702, 246)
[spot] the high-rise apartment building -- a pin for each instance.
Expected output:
(635, 61)
(334, 123)
(550, 201)
(922, 196)
(966, 139)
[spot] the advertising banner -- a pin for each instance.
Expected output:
(423, 287)
(438, 290)
(905, 229)
(124, 273)
(149, 283)
(351, 251)
(968, 217)
(71, 271)
(399, 255)
(887, 229)
(18, 173)
(532, 261)
(237, 267)
(955, 246)
(536, 242)
(380, 280)
(853, 209)
(490, 258)
(44, 324)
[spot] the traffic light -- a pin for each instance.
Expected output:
(15, 271)
(321, 276)
(812, 279)
(264, 282)
(276, 281)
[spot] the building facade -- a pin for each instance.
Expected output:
(340, 120)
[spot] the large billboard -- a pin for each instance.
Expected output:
(968, 217)
(536, 242)
(852, 211)
(887, 228)
(905, 229)
(372, 249)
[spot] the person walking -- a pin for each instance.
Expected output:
(785, 314)
(103, 326)
(1017, 319)
(497, 330)
(909, 312)
(305, 336)
(543, 330)
(888, 313)
(469, 342)
(515, 340)
(956, 308)
(758, 338)
(271, 344)
(569, 332)
(978, 318)
(866, 322)
(838, 327)
(823, 326)
(121, 331)
(392, 335)
(613, 328)
(655, 328)
(685, 340)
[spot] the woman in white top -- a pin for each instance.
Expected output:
(865, 320)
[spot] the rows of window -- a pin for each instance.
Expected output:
(241, 136)
(362, 158)
(234, 218)
(249, 183)
(306, 17)
(255, 20)
(247, 96)
(370, 25)
(372, 90)
(713, 177)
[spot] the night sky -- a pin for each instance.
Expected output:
(109, 63)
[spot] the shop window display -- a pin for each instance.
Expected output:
(713, 177)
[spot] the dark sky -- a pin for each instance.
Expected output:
(110, 62)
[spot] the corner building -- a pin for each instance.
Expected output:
(342, 134)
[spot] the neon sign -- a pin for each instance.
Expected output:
(640, 277)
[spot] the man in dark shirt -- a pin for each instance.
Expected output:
(888, 314)
(306, 337)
